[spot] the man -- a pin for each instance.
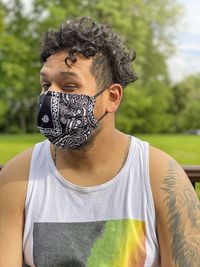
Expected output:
(91, 195)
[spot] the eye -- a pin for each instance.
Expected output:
(69, 87)
(45, 86)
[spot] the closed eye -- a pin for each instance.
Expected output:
(69, 87)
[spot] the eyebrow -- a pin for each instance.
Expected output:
(66, 74)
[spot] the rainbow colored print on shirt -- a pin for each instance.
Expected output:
(112, 243)
(122, 244)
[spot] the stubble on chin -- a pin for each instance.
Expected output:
(89, 144)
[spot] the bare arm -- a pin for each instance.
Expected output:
(13, 183)
(178, 212)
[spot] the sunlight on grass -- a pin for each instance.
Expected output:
(184, 148)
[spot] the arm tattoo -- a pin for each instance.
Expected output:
(183, 219)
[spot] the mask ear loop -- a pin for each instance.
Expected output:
(100, 92)
(95, 96)
(102, 116)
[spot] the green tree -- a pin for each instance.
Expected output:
(185, 104)
(17, 69)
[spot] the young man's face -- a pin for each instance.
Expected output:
(56, 76)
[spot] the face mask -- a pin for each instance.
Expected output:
(67, 120)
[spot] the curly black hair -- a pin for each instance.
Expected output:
(111, 59)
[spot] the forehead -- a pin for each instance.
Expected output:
(56, 63)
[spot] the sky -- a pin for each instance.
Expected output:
(186, 60)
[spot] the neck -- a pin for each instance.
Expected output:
(104, 147)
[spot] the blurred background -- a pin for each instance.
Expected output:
(162, 106)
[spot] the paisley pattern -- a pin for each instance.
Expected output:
(67, 120)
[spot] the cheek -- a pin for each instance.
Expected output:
(100, 107)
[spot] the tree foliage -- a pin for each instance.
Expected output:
(185, 104)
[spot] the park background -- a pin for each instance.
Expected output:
(162, 106)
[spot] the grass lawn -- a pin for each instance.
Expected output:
(184, 148)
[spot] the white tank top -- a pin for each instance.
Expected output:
(108, 225)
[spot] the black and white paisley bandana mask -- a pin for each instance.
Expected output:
(67, 120)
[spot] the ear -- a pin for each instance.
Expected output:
(115, 93)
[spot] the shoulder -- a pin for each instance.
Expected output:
(18, 165)
(14, 177)
(166, 175)
(168, 179)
